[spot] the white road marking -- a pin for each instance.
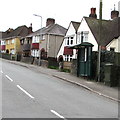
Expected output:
(25, 91)
(1, 71)
(9, 78)
(57, 114)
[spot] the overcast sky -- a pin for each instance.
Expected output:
(15, 13)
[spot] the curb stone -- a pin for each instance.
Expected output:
(84, 86)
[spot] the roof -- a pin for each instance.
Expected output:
(109, 29)
(84, 44)
(20, 31)
(53, 29)
(75, 25)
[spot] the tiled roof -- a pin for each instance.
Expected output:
(76, 25)
(20, 31)
(108, 32)
(54, 29)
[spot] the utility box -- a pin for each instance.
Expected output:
(110, 75)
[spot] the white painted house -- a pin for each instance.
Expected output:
(114, 45)
(88, 31)
(85, 31)
(70, 39)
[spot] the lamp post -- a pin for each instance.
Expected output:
(40, 38)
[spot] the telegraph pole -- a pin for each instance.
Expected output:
(99, 44)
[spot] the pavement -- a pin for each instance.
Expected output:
(95, 87)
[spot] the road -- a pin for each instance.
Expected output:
(30, 94)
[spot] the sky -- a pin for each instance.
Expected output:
(14, 13)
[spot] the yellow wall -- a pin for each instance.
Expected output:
(15, 45)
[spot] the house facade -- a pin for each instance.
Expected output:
(12, 39)
(114, 45)
(13, 45)
(70, 39)
(46, 41)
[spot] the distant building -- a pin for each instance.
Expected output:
(12, 38)
(47, 40)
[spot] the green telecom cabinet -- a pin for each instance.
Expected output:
(84, 60)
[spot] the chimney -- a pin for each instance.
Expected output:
(93, 13)
(30, 29)
(50, 21)
(114, 13)
(9, 30)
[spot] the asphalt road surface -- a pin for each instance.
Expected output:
(29, 94)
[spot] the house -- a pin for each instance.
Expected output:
(114, 45)
(12, 39)
(70, 39)
(2, 42)
(89, 29)
(25, 43)
(47, 40)
(3, 35)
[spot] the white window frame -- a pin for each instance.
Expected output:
(13, 41)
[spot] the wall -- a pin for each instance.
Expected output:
(115, 43)
(54, 45)
(9, 45)
(91, 39)
(15, 45)
(70, 32)
(67, 65)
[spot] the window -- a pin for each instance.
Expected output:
(2, 42)
(68, 58)
(83, 36)
(71, 57)
(68, 41)
(13, 41)
(8, 42)
(43, 37)
(112, 49)
(78, 38)
(12, 51)
(71, 41)
(28, 41)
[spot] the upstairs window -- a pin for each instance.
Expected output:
(8, 42)
(71, 41)
(13, 40)
(112, 49)
(68, 41)
(83, 36)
